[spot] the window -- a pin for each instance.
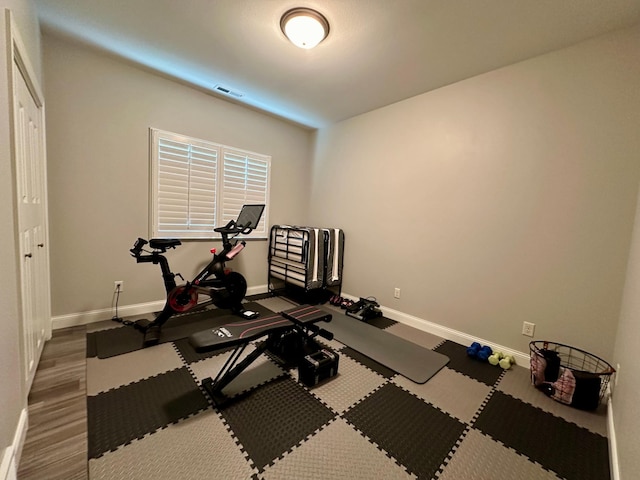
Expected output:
(198, 185)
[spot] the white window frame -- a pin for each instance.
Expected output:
(232, 176)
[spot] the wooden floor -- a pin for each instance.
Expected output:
(56, 443)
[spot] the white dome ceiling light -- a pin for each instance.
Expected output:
(305, 28)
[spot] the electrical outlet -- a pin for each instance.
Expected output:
(118, 286)
(528, 329)
(396, 293)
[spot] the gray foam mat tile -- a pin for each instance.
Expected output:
(417, 435)
(462, 363)
(114, 372)
(571, 451)
(274, 418)
(352, 383)
(517, 383)
(450, 391)
(197, 448)
(119, 416)
(480, 457)
(352, 457)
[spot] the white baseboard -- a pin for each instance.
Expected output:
(92, 316)
(613, 445)
(11, 455)
(8, 469)
(447, 333)
(84, 318)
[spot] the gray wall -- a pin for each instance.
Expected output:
(626, 391)
(99, 110)
(13, 397)
(505, 198)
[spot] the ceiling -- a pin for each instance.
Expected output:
(378, 52)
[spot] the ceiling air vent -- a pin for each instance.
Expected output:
(227, 91)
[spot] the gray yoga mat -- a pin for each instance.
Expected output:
(416, 363)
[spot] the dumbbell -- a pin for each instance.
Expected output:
(495, 358)
(484, 353)
(473, 349)
(507, 361)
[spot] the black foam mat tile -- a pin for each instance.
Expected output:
(381, 322)
(272, 419)
(119, 340)
(258, 296)
(92, 348)
(301, 296)
(462, 363)
(573, 452)
(117, 417)
(416, 434)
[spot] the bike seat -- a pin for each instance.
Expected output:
(164, 243)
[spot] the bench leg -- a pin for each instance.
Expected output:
(229, 372)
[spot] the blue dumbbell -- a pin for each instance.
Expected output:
(473, 349)
(484, 353)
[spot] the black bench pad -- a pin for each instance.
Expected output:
(244, 331)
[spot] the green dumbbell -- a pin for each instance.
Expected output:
(495, 358)
(507, 361)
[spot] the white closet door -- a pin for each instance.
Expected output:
(30, 168)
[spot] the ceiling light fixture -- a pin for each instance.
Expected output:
(305, 28)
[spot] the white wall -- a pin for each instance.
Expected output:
(99, 110)
(504, 198)
(626, 392)
(13, 397)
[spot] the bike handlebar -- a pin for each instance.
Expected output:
(233, 228)
(161, 245)
(138, 246)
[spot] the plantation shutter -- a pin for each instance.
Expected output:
(185, 201)
(245, 180)
(197, 186)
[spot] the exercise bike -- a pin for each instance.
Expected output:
(225, 288)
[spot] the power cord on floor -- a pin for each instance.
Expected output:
(116, 318)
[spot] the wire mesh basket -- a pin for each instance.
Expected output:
(568, 374)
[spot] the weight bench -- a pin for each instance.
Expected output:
(290, 337)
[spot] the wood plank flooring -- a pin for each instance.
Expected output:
(56, 443)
